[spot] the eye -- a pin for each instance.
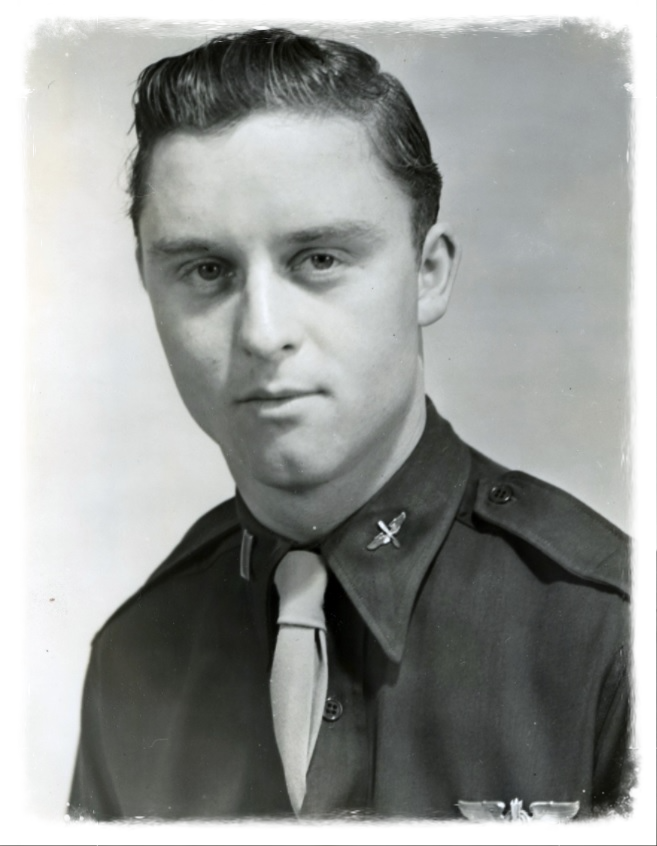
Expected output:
(211, 271)
(320, 268)
(322, 261)
(209, 275)
(318, 264)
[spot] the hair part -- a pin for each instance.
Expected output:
(233, 76)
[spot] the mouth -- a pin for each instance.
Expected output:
(273, 397)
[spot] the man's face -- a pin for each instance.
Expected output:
(279, 259)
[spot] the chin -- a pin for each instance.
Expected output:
(291, 476)
(288, 471)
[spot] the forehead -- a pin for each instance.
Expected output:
(272, 169)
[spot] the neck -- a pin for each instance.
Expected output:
(308, 514)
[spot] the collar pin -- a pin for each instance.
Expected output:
(388, 533)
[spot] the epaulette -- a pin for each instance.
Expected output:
(208, 531)
(557, 524)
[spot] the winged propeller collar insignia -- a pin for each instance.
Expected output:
(388, 533)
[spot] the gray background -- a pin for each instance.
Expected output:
(530, 127)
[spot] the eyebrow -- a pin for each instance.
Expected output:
(178, 246)
(348, 230)
(343, 230)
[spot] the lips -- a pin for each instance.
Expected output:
(276, 395)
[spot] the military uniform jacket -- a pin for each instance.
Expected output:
(483, 658)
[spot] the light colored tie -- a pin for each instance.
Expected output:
(299, 675)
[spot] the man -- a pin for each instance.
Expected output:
(383, 621)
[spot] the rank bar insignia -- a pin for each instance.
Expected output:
(388, 533)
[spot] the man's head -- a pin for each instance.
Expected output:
(282, 256)
(233, 76)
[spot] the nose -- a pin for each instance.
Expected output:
(267, 326)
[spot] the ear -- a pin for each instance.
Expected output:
(438, 265)
(140, 264)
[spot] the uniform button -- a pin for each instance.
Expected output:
(332, 710)
(500, 494)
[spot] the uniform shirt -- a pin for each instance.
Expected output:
(484, 658)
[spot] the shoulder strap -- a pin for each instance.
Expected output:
(211, 530)
(559, 525)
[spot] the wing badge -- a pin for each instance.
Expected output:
(548, 811)
(388, 534)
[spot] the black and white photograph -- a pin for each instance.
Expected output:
(331, 511)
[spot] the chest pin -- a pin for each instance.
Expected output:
(388, 533)
(548, 811)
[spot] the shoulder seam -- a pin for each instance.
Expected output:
(559, 525)
(179, 559)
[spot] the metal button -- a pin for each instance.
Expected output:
(500, 494)
(332, 710)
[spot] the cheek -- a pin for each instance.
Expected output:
(196, 355)
(381, 353)
(389, 323)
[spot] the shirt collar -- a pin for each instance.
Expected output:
(382, 583)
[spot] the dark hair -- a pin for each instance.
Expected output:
(233, 76)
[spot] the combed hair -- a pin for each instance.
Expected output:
(233, 76)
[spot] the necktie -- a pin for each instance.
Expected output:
(299, 676)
